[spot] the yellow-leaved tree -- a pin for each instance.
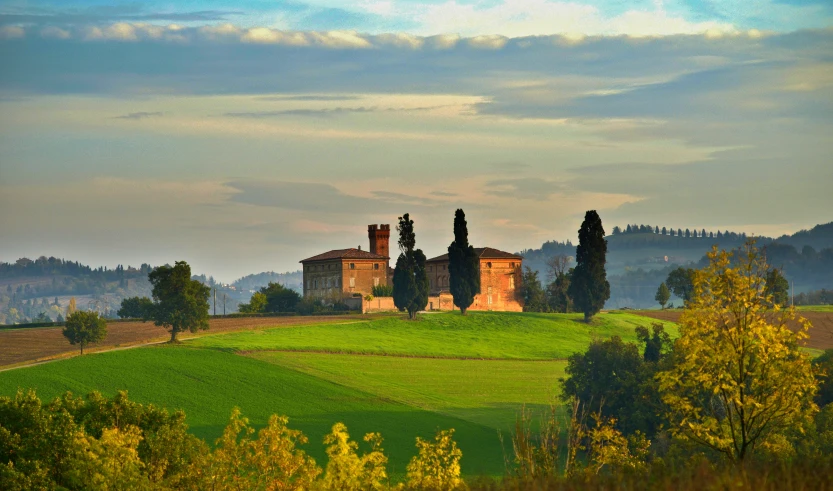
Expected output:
(437, 466)
(346, 471)
(740, 379)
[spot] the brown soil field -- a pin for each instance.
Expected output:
(821, 334)
(20, 346)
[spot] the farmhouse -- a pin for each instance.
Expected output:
(352, 273)
(500, 275)
(341, 273)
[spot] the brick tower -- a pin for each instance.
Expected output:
(379, 236)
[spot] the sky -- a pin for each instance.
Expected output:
(245, 136)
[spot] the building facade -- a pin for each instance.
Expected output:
(344, 273)
(500, 276)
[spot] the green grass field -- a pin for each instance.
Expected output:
(484, 335)
(815, 308)
(470, 373)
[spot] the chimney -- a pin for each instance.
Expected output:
(379, 236)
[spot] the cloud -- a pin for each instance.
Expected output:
(533, 188)
(311, 97)
(139, 115)
(302, 112)
(12, 32)
(54, 33)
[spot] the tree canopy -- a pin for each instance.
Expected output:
(589, 287)
(681, 282)
(410, 280)
(84, 328)
(463, 265)
(136, 308)
(740, 380)
(180, 303)
(663, 295)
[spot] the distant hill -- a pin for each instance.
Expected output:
(290, 279)
(639, 258)
(818, 237)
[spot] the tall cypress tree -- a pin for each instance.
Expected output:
(463, 265)
(589, 288)
(410, 280)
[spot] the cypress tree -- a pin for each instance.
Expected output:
(410, 280)
(463, 265)
(589, 288)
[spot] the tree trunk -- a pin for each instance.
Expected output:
(588, 317)
(82, 348)
(173, 335)
(463, 311)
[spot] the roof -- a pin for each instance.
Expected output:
(482, 253)
(344, 254)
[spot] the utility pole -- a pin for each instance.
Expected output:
(215, 302)
(792, 296)
(224, 304)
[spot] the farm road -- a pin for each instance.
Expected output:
(821, 334)
(39, 344)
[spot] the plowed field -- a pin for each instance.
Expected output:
(43, 343)
(821, 334)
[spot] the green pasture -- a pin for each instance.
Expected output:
(814, 308)
(401, 378)
(207, 384)
(486, 392)
(485, 335)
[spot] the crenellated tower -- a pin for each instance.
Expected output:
(379, 236)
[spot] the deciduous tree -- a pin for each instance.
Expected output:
(463, 265)
(180, 303)
(778, 287)
(256, 304)
(663, 295)
(681, 282)
(740, 379)
(84, 328)
(589, 287)
(410, 280)
(136, 308)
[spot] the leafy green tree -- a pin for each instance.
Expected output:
(681, 282)
(663, 295)
(532, 294)
(463, 265)
(180, 303)
(410, 279)
(42, 317)
(557, 293)
(613, 376)
(136, 308)
(589, 287)
(740, 380)
(777, 286)
(280, 298)
(256, 304)
(824, 376)
(656, 341)
(84, 328)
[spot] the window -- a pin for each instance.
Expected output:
(443, 267)
(352, 265)
(512, 265)
(352, 282)
(488, 265)
(315, 284)
(375, 281)
(511, 282)
(489, 297)
(376, 266)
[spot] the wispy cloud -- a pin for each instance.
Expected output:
(139, 115)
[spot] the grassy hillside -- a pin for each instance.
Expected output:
(207, 384)
(400, 396)
(522, 336)
(486, 392)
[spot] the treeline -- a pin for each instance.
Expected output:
(290, 279)
(687, 233)
(818, 297)
(51, 266)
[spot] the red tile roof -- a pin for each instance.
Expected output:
(482, 253)
(343, 254)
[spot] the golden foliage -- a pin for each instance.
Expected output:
(740, 378)
(437, 466)
(269, 462)
(346, 471)
(609, 448)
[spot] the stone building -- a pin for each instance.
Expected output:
(352, 273)
(344, 273)
(500, 276)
